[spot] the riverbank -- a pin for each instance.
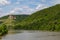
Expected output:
(20, 31)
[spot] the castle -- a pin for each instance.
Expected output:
(12, 17)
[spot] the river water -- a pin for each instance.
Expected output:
(32, 35)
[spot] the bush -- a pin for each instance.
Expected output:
(3, 29)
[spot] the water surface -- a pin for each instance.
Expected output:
(32, 35)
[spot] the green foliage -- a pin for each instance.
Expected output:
(17, 26)
(3, 29)
(46, 19)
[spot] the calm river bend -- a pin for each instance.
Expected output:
(32, 35)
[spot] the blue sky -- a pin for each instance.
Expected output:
(24, 6)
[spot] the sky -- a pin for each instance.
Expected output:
(24, 6)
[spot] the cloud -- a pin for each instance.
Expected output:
(43, 0)
(4, 2)
(27, 10)
(41, 6)
(21, 10)
(13, 11)
(1, 12)
(55, 2)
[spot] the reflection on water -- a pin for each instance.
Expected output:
(33, 35)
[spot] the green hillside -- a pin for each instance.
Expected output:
(46, 19)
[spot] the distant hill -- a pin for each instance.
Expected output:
(18, 19)
(48, 19)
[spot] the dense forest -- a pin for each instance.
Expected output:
(47, 19)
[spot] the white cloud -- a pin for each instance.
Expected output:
(41, 6)
(4, 2)
(52, 1)
(55, 2)
(21, 10)
(14, 10)
(28, 10)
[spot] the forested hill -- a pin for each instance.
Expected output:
(48, 19)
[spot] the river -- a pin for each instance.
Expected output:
(32, 35)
